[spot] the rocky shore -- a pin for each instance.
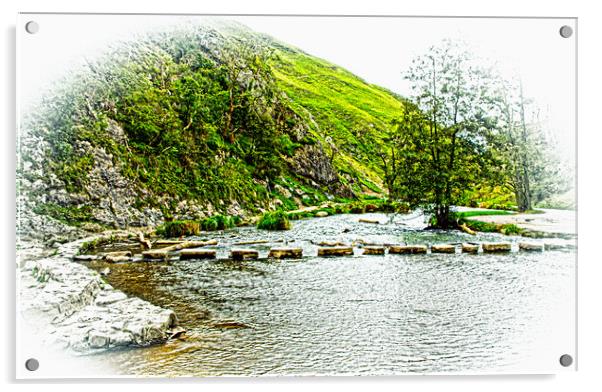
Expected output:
(72, 307)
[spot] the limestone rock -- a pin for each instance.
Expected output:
(497, 247)
(188, 254)
(374, 250)
(155, 254)
(372, 221)
(244, 254)
(407, 249)
(443, 248)
(530, 246)
(470, 248)
(321, 214)
(336, 251)
(286, 253)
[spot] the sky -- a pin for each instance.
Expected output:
(378, 50)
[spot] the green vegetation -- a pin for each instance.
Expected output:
(70, 215)
(179, 229)
(487, 227)
(349, 116)
(276, 220)
(468, 214)
(251, 122)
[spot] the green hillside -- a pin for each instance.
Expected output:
(355, 114)
(202, 121)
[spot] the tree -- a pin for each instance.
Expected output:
(528, 165)
(443, 144)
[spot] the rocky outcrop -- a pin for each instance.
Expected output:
(72, 307)
(311, 162)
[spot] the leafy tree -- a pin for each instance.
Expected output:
(442, 147)
(527, 161)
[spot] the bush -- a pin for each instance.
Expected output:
(179, 228)
(299, 215)
(224, 222)
(357, 208)
(277, 220)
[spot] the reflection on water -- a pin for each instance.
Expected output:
(350, 315)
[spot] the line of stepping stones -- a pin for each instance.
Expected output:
(193, 250)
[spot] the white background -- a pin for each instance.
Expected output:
(590, 272)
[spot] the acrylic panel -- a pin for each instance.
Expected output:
(295, 195)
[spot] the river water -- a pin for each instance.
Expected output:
(360, 315)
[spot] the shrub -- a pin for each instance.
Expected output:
(209, 224)
(179, 228)
(277, 220)
(299, 215)
(224, 222)
(357, 208)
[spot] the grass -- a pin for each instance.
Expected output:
(468, 214)
(276, 220)
(179, 229)
(487, 227)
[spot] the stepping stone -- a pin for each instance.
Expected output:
(188, 254)
(85, 257)
(470, 248)
(407, 249)
(374, 250)
(336, 251)
(530, 246)
(117, 259)
(286, 253)
(443, 248)
(497, 247)
(373, 221)
(553, 246)
(159, 254)
(121, 253)
(244, 254)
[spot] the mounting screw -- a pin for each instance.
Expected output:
(566, 31)
(566, 360)
(32, 27)
(32, 364)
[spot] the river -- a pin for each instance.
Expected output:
(360, 315)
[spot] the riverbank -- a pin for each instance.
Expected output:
(544, 223)
(72, 307)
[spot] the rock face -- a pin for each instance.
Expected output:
(374, 250)
(336, 251)
(470, 248)
(72, 307)
(443, 248)
(497, 247)
(286, 253)
(311, 161)
(407, 249)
